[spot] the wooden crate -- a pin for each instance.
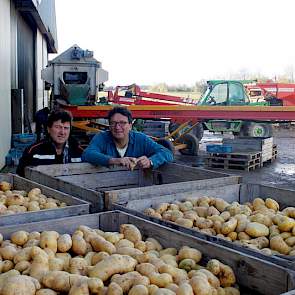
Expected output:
(254, 276)
(75, 205)
(241, 193)
(90, 182)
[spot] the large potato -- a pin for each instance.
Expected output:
(255, 230)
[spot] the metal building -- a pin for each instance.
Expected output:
(27, 36)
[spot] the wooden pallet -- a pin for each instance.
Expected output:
(235, 161)
(274, 156)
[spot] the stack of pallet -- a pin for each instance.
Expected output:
(246, 153)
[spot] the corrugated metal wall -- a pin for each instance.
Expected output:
(5, 84)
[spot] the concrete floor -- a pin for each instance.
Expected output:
(280, 173)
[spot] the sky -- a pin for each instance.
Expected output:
(178, 42)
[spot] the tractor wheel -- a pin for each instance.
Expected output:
(192, 143)
(167, 144)
(258, 129)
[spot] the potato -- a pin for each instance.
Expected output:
(272, 204)
(178, 275)
(57, 281)
(220, 204)
(7, 265)
(20, 284)
(184, 222)
(169, 259)
(286, 223)
(229, 226)
(156, 245)
(191, 253)
(19, 238)
(33, 206)
(133, 252)
(278, 244)
(34, 193)
(5, 186)
(185, 289)
(145, 268)
(187, 264)
(162, 207)
(64, 243)
(200, 285)
(101, 244)
(79, 245)
(114, 289)
(130, 232)
(160, 280)
(8, 252)
(48, 239)
(111, 265)
(185, 206)
(128, 280)
(139, 290)
(15, 199)
(255, 229)
(113, 237)
(22, 266)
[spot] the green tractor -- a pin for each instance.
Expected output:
(230, 93)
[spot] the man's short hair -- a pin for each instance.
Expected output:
(120, 110)
(54, 116)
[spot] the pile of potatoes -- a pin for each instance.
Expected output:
(91, 261)
(259, 225)
(19, 201)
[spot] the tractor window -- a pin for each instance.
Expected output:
(236, 94)
(218, 95)
(75, 77)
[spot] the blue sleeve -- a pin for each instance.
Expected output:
(157, 153)
(94, 152)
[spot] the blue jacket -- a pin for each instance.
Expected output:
(102, 148)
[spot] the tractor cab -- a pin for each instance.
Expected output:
(224, 93)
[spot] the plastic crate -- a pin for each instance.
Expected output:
(13, 156)
(24, 138)
(217, 148)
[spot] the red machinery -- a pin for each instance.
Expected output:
(133, 95)
(284, 93)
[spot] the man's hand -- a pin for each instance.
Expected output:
(143, 162)
(127, 162)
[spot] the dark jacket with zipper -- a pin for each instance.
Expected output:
(44, 153)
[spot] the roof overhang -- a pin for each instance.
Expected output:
(31, 7)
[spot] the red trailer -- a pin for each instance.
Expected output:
(133, 95)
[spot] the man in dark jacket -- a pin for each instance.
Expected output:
(57, 148)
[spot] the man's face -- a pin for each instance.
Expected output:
(59, 132)
(120, 126)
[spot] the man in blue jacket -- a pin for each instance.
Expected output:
(122, 146)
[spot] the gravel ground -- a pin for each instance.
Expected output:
(280, 173)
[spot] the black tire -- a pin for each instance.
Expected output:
(256, 129)
(198, 131)
(167, 144)
(192, 143)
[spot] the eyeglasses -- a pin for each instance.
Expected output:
(120, 124)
